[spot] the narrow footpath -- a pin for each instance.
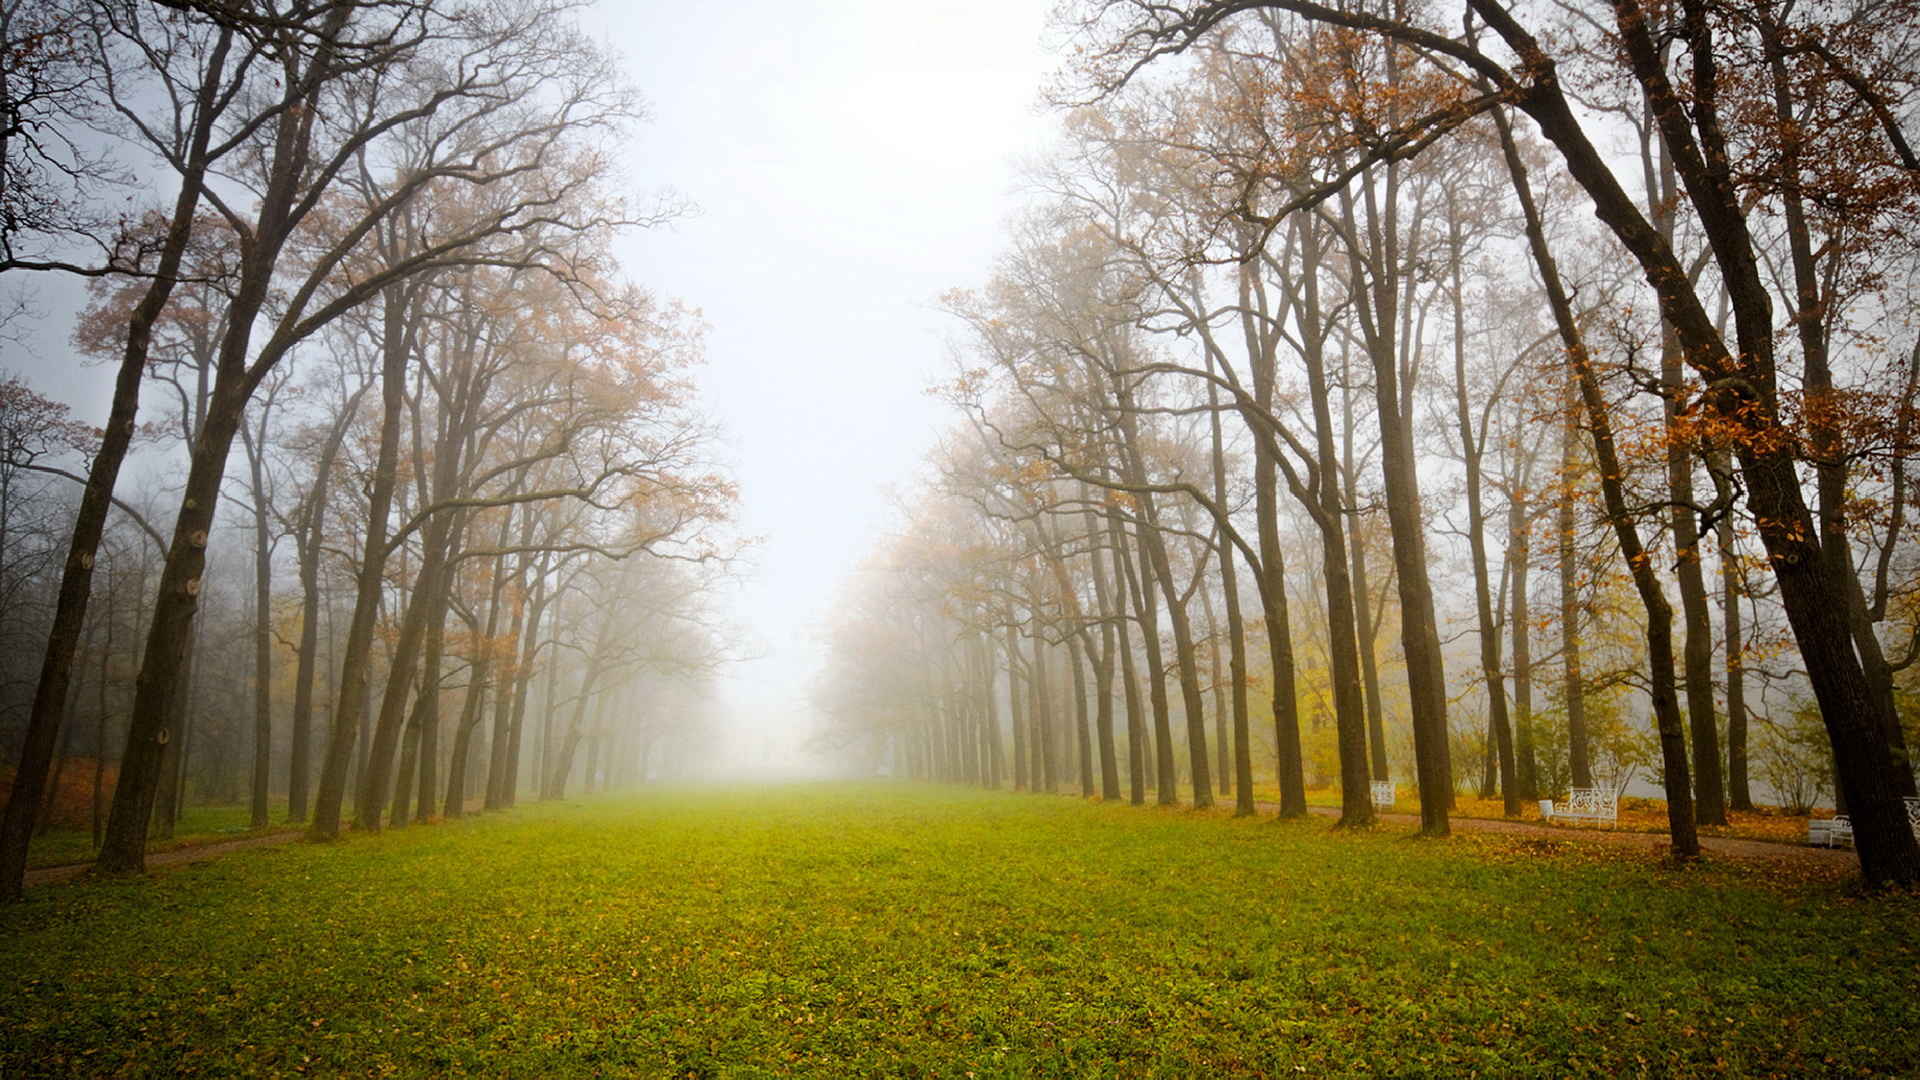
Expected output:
(1644, 841)
(180, 856)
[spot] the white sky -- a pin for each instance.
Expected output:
(852, 159)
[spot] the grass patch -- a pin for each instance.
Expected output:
(888, 930)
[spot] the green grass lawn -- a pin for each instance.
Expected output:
(895, 930)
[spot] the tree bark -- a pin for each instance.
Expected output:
(1697, 643)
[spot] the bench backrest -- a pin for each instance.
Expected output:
(1601, 800)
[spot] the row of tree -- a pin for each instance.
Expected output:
(471, 488)
(1308, 339)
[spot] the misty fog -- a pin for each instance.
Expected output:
(719, 456)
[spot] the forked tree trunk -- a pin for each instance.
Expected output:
(307, 536)
(1472, 447)
(355, 688)
(1104, 667)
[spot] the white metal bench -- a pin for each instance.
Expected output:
(1830, 832)
(1837, 830)
(1383, 793)
(1584, 804)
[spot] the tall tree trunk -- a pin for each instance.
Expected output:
(429, 705)
(415, 625)
(1016, 708)
(1659, 633)
(1697, 642)
(1364, 627)
(355, 688)
(1519, 560)
(1130, 678)
(1261, 338)
(1242, 762)
(1574, 683)
(300, 757)
(308, 532)
(1471, 447)
(990, 731)
(401, 812)
(90, 518)
(1739, 795)
(1419, 635)
(523, 683)
(161, 688)
(1290, 761)
(100, 724)
(1185, 655)
(1321, 495)
(1217, 684)
(1829, 452)
(1043, 740)
(472, 711)
(262, 630)
(1083, 749)
(170, 796)
(561, 769)
(1108, 614)
(500, 746)
(1141, 587)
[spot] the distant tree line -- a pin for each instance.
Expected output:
(1484, 331)
(469, 520)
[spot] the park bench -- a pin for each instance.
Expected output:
(1383, 793)
(1584, 804)
(1838, 829)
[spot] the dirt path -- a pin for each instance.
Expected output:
(180, 856)
(1644, 841)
